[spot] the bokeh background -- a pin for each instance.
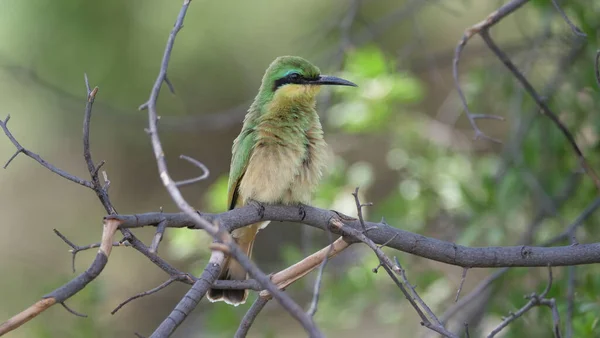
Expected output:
(401, 136)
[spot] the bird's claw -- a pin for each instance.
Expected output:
(260, 209)
(301, 212)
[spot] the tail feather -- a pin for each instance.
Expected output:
(233, 270)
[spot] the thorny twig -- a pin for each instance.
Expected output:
(38, 158)
(75, 249)
(78, 283)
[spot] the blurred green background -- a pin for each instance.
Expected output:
(401, 136)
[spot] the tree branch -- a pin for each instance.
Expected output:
(534, 300)
(419, 245)
(38, 158)
(484, 33)
(64, 292)
(250, 316)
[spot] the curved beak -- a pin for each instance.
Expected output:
(332, 81)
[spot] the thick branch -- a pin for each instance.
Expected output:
(426, 247)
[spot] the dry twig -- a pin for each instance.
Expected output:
(534, 300)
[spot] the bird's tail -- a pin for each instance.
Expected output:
(232, 270)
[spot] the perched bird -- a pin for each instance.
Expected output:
(280, 154)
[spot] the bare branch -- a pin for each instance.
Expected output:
(191, 299)
(359, 207)
(169, 85)
(416, 244)
(293, 273)
(76, 248)
(160, 229)
(574, 28)
(91, 273)
(484, 33)
(570, 301)
(534, 300)
(250, 316)
(462, 282)
(37, 158)
(149, 292)
(63, 293)
(205, 171)
(596, 68)
(315, 300)
(491, 20)
(73, 311)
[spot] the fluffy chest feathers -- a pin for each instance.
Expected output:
(288, 158)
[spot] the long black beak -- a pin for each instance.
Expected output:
(332, 81)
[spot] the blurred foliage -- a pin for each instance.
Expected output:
(423, 174)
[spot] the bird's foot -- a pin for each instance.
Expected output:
(260, 208)
(301, 211)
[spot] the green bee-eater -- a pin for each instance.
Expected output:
(280, 154)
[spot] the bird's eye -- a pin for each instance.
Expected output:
(294, 76)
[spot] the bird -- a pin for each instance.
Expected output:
(279, 156)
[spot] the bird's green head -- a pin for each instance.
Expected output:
(292, 77)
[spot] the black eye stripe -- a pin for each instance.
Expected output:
(294, 78)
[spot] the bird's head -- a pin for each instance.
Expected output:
(292, 77)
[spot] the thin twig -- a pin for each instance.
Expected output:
(78, 283)
(205, 172)
(462, 282)
(534, 300)
(76, 248)
(491, 20)
(596, 67)
(146, 293)
(570, 301)
(404, 286)
(359, 207)
(484, 33)
(429, 319)
(160, 230)
(316, 290)
(38, 158)
(73, 311)
(250, 316)
(574, 28)
(289, 275)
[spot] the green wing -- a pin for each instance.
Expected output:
(242, 149)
